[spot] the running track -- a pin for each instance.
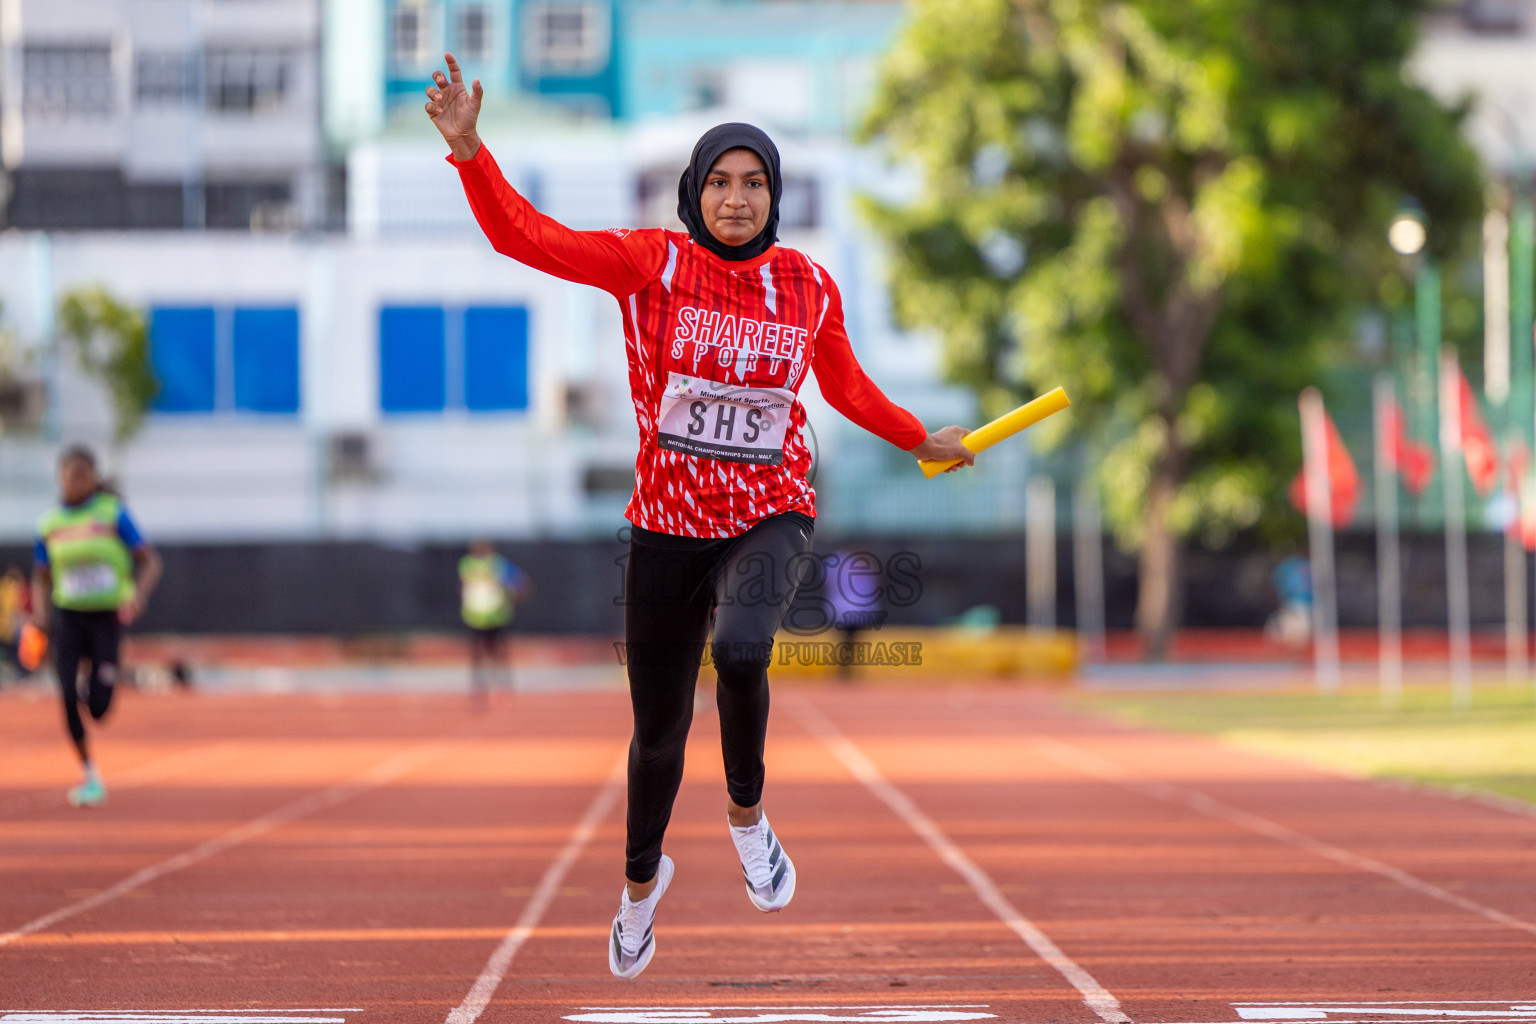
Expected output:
(961, 853)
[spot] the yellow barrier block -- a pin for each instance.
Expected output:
(921, 654)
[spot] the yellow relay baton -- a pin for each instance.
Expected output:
(1005, 426)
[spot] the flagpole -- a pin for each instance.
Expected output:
(1500, 375)
(1522, 273)
(1427, 314)
(1496, 361)
(1319, 506)
(1515, 642)
(1389, 590)
(1457, 597)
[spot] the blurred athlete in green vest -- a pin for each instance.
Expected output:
(489, 589)
(87, 555)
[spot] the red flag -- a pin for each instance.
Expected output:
(1476, 440)
(1522, 524)
(1413, 459)
(1343, 480)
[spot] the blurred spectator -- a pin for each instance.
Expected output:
(1291, 625)
(14, 612)
(489, 588)
(853, 591)
(978, 620)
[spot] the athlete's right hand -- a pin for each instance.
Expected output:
(130, 611)
(454, 109)
(944, 445)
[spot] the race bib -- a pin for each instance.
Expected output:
(483, 597)
(729, 422)
(83, 582)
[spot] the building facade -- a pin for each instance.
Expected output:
(122, 114)
(808, 65)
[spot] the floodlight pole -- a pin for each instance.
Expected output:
(1088, 571)
(1040, 552)
(1389, 585)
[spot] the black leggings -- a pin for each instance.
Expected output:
(91, 636)
(675, 589)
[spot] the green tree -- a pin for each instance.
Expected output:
(1172, 208)
(15, 364)
(12, 360)
(111, 343)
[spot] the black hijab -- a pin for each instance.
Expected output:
(711, 145)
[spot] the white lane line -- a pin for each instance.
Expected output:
(1095, 996)
(158, 1018)
(151, 1017)
(780, 1015)
(171, 1017)
(1320, 1011)
(380, 774)
(480, 993)
(139, 775)
(1293, 1013)
(1102, 768)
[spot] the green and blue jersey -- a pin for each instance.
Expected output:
(88, 550)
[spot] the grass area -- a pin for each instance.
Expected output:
(1490, 746)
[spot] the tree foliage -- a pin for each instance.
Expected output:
(1171, 207)
(12, 359)
(111, 343)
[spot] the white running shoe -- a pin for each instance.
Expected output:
(631, 944)
(769, 872)
(90, 793)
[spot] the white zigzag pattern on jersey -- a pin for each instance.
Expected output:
(763, 490)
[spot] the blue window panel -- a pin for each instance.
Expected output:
(495, 358)
(181, 352)
(267, 360)
(413, 359)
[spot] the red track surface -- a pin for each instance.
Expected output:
(1181, 876)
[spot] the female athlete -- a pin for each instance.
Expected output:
(720, 327)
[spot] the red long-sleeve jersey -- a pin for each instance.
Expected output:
(717, 351)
